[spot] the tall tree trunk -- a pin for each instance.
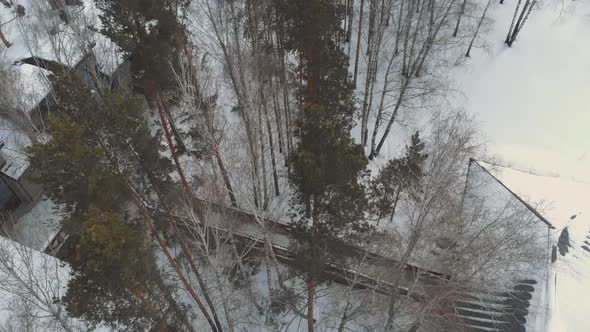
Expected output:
(512, 23)
(517, 30)
(164, 124)
(175, 132)
(425, 49)
(358, 44)
(238, 84)
(414, 68)
(366, 109)
(209, 123)
(310, 302)
(483, 16)
(287, 107)
(393, 116)
(461, 12)
(381, 107)
(372, 14)
(519, 22)
(184, 247)
(278, 119)
(4, 40)
(398, 193)
(409, 17)
(372, 66)
(272, 154)
(262, 153)
(350, 18)
(189, 191)
(399, 30)
(146, 218)
(225, 177)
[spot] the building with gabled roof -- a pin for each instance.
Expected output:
(545, 297)
(50, 35)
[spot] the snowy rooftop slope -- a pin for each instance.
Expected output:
(572, 285)
(32, 85)
(561, 200)
(37, 227)
(515, 283)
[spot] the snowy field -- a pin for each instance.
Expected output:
(532, 99)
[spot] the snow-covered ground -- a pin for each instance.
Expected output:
(532, 99)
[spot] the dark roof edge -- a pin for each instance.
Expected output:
(528, 206)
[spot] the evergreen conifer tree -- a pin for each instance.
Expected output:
(327, 165)
(150, 34)
(397, 176)
(97, 145)
(115, 279)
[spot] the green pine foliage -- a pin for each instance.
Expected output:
(99, 146)
(135, 150)
(115, 279)
(150, 33)
(72, 166)
(90, 137)
(311, 29)
(327, 166)
(74, 174)
(398, 176)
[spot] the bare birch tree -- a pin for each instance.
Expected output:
(32, 284)
(481, 19)
(422, 34)
(476, 237)
(516, 26)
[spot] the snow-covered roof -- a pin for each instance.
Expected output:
(560, 199)
(38, 226)
(565, 203)
(32, 83)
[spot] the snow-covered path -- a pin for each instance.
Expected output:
(533, 99)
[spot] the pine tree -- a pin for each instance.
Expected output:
(396, 177)
(98, 145)
(150, 34)
(115, 278)
(72, 166)
(326, 165)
